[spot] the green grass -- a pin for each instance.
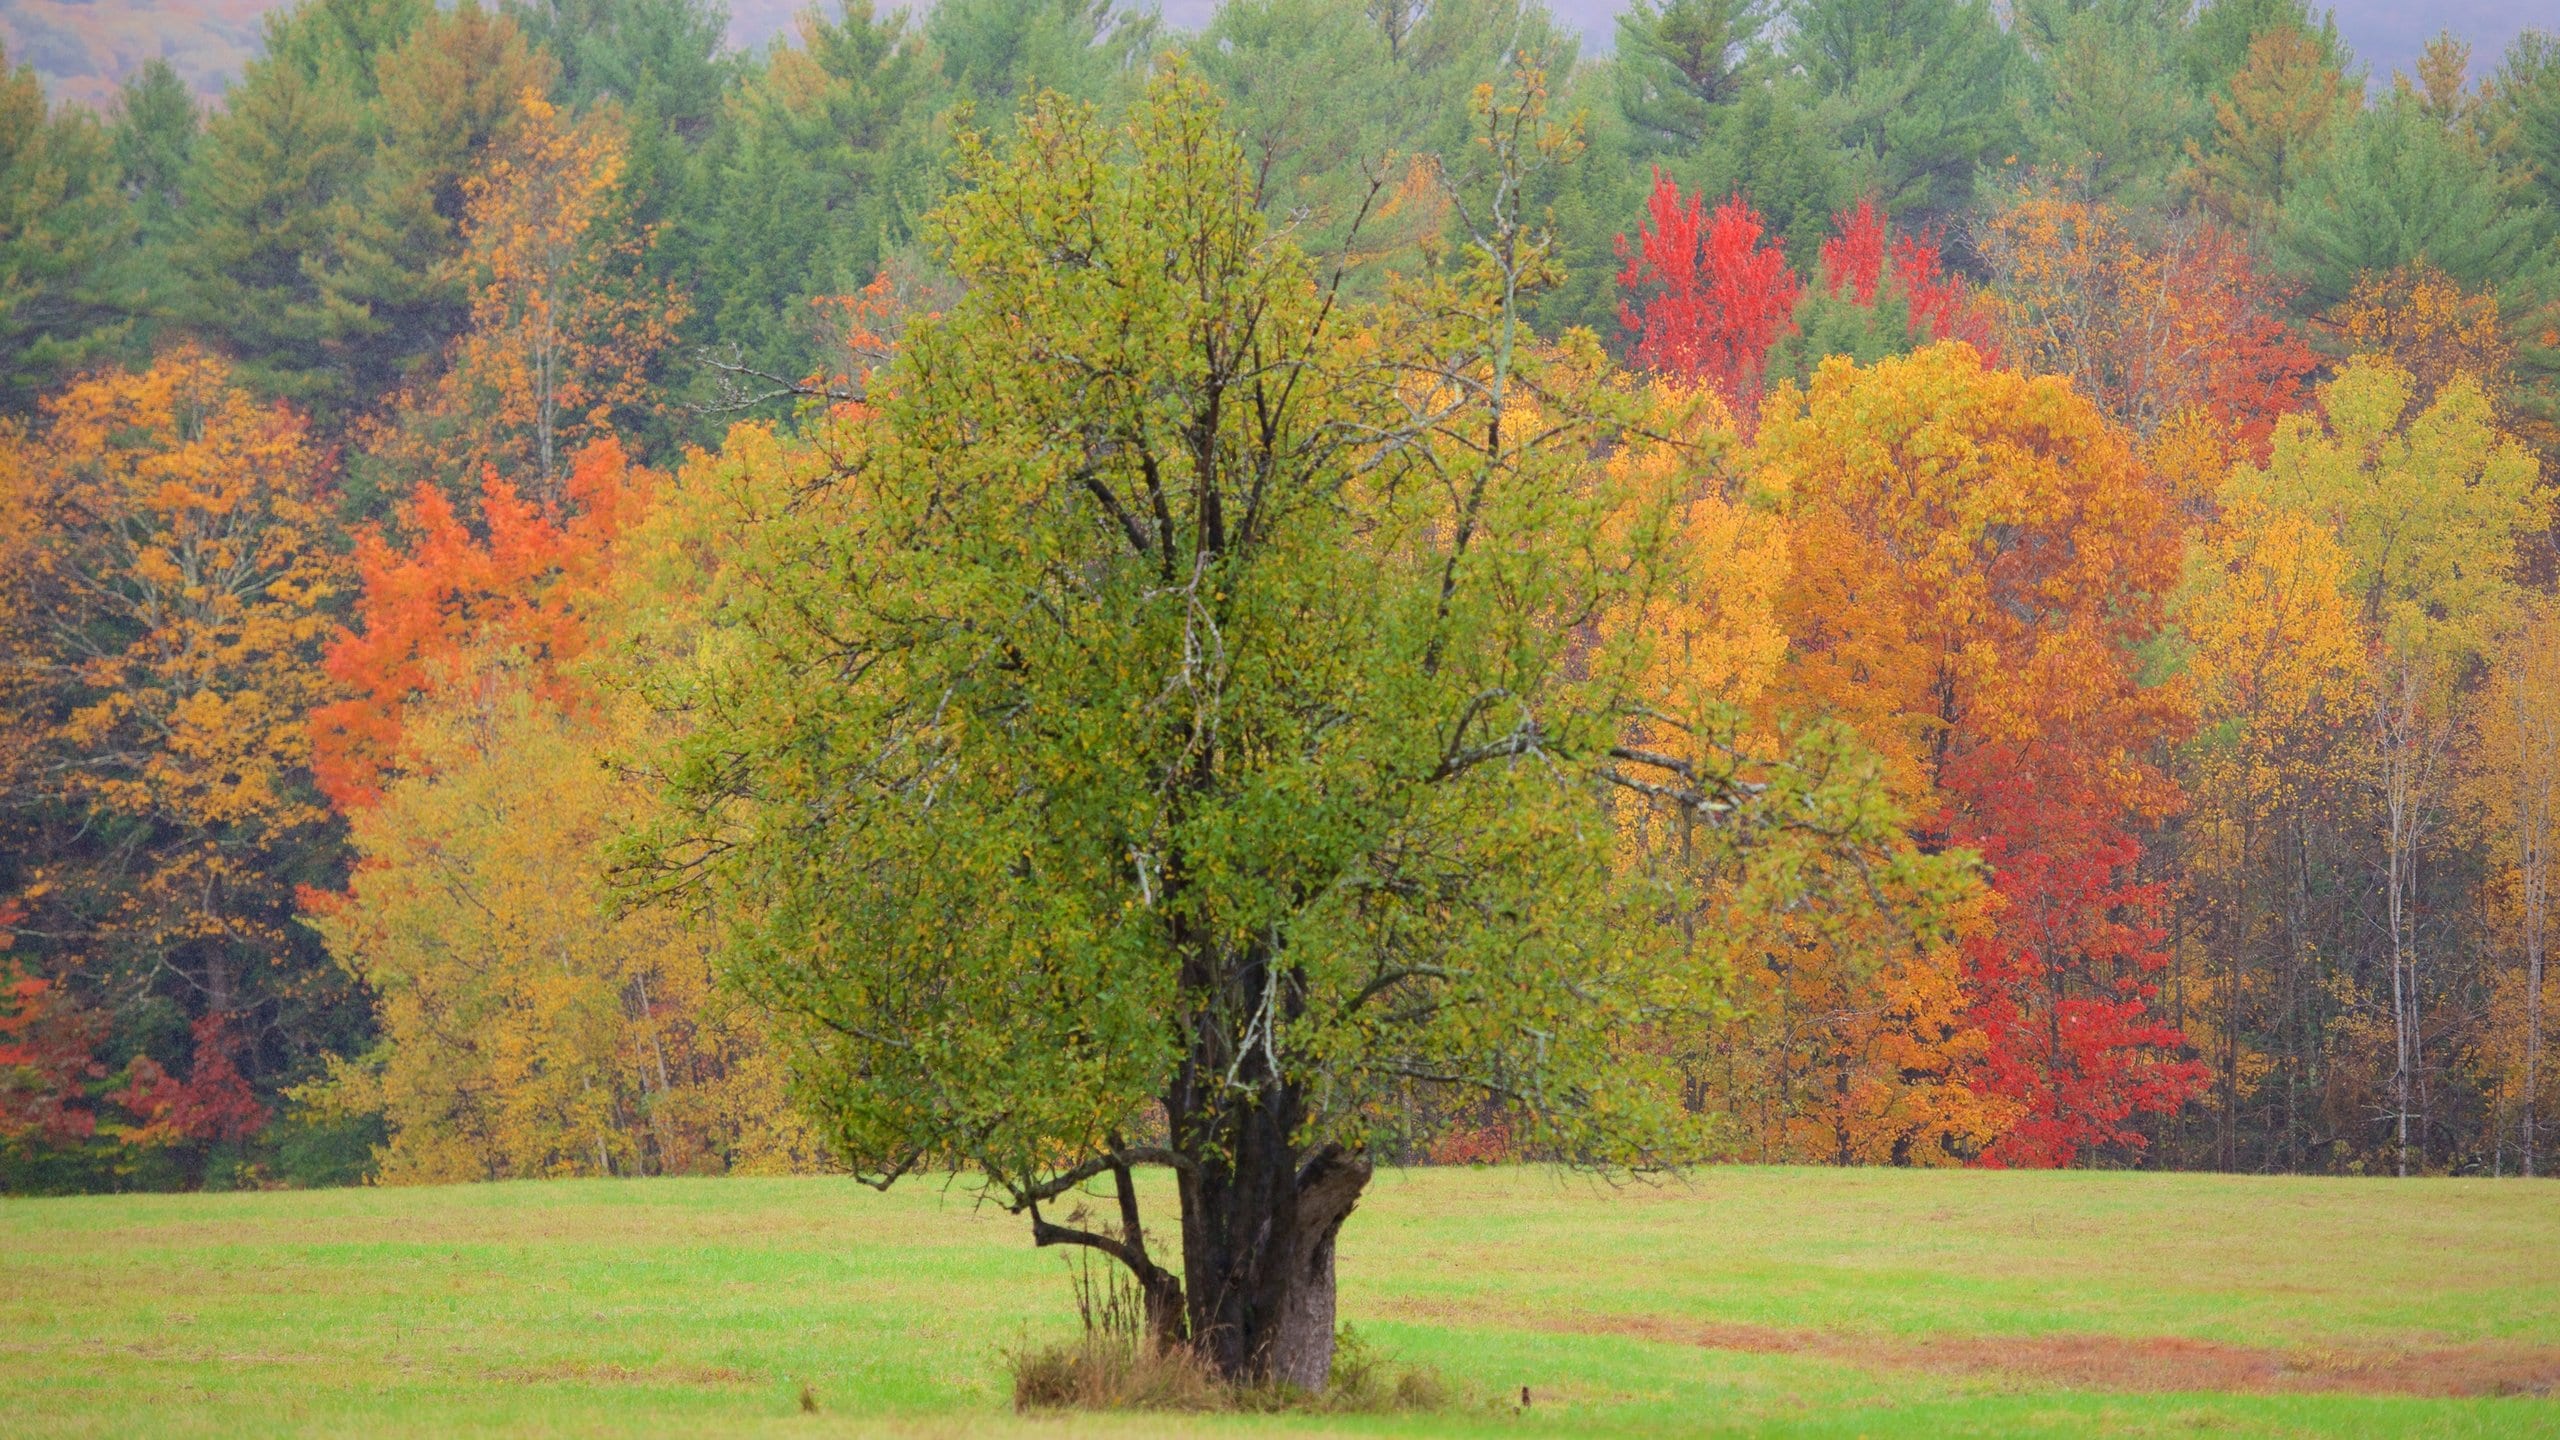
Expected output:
(703, 1307)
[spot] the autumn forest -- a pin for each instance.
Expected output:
(1860, 582)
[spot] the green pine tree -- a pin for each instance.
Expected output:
(1773, 148)
(342, 38)
(826, 160)
(1314, 90)
(661, 58)
(2398, 185)
(2109, 100)
(1678, 63)
(63, 229)
(2523, 112)
(1927, 92)
(394, 283)
(271, 192)
(998, 53)
(155, 130)
(2217, 44)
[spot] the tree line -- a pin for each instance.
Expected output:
(1854, 581)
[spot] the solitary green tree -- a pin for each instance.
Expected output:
(1191, 718)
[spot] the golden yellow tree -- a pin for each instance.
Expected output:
(2427, 506)
(531, 1024)
(2278, 662)
(534, 1021)
(2423, 320)
(1980, 558)
(1849, 1042)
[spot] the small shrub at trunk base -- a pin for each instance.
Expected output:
(1368, 1381)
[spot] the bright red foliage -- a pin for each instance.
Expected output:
(2230, 316)
(524, 586)
(2062, 981)
(212, 1105)
(1705, 298)
(1942, 305)
(1854, 255)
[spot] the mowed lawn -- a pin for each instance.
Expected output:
(1741, 1301)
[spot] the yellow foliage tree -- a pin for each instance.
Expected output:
(2423, 320)
(168, 576)
(531, 1025)
(1979, 558)
(2278, 662)
(2518, 782)
(2426, 505)
(175, 557)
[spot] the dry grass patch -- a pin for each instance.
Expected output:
(1114, 1364)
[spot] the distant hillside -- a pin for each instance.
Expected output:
(85, 48)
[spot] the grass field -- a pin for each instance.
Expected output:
(1745, 1301)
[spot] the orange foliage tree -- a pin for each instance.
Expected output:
(1851, 1039)
(533, 1021)
(431, 588)
(1978, 558)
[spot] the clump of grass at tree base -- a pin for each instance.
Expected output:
(1114, 1364)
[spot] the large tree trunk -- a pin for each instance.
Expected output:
(1300, 1350)
(1258, 1234)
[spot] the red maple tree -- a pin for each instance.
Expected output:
(1705, 297)
(47, 1056)
(1980, 561)
(1942, 305)
(2063, 981)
